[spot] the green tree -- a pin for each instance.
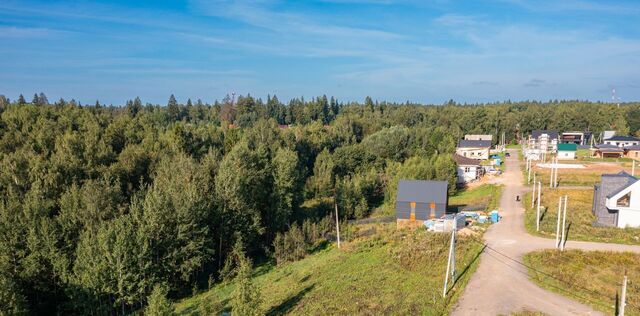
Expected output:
(158, 304)
(246, 299)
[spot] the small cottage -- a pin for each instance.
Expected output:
(632, 152)
(468, 170)
(616, 201)
(567, 151)
(420, 200)
(606, 151)
(474, 149)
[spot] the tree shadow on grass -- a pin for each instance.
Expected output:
(290, 302)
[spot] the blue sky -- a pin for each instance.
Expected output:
(422, 51)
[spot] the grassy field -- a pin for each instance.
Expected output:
(593, 277)
(486, 194)
(389, 272)
(579, 218)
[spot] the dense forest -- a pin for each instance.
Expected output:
(101, 206)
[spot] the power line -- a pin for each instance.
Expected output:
(554, 278)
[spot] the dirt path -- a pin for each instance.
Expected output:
(501, 285)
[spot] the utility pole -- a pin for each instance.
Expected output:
(451, 263)
(533, 195)
(633, 168)
(564, 221)
(335, 203)
(558, 224)
(623, 295)
(538, 208)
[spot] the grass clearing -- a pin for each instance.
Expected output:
(579, 218)
(592, 277)
(485, 194)
(389, 272)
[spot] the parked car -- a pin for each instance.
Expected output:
(507, 154)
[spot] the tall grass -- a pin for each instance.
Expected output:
(579, 218)
(592, 277)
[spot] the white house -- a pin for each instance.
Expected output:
(468, 169)
(567, 151)
(616, 201)
(474, 149)
(622, 141)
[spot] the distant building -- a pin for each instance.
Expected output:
(616, 201)
(622, 141)
(475, 149)
(468, 169)
(578, 138)
(567, 151)
(478, 137)
(632, 152)
(420, 200)
(607, 134)
(606, 151)
(543, 140)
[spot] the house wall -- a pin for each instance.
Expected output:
(467, 174)
(566, 155)
(628, 218)
(422, 211)
(475, 153)
(621, 143)
(634, 154)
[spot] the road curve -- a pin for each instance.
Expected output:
(501, 285)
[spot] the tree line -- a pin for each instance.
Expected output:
(105, 208)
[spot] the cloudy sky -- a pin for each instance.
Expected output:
(422, 51)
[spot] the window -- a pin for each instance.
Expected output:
(467, 169)
(624, 200)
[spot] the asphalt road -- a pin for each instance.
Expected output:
(501, 285)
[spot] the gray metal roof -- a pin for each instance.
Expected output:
(464, 161)
(422, 191)
(623, 139)
(613, 184)
(464, 143)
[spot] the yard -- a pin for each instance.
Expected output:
(486, 195)
(588, 176)
(579, 218)
(388, 272)
(592, 277)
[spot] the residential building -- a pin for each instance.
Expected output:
(543, 140)
(478, 137)
(420, 200)
(567, 151)
(468, 170)
(606, 151)
(622, 141)
(632, 152)
(475, 149)
(616, 201)
(578, 138)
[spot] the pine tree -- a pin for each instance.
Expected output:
(246, 297)
(173, 110)
(35, 100)
(158, 304)
(21, 100)
(42, 99)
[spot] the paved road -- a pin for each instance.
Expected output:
(502, 286)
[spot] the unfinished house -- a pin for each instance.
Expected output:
(420, 200)
(478, 137)
(543, 140)
(616, 201)
(578, 138)
(468, 170)
(474, 149)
